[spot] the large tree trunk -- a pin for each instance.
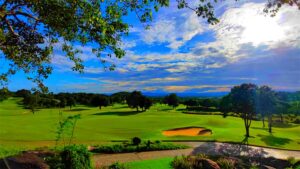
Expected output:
(263, 120)
(270, 123)
(137, 109)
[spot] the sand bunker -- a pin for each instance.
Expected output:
(188, 131)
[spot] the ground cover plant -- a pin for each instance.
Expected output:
(118, 122)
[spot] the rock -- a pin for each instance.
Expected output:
(24, 161)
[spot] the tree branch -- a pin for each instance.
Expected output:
(11, 29)
(26, 14)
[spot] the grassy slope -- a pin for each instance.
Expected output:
(20, 127)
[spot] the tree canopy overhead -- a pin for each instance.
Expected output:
(30, 29)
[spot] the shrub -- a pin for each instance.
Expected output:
(193, 162)
(71, 157)
(118, 166)
(181, 163)
(225, 163)
(291, 160)
(145, 146)
(136, 141)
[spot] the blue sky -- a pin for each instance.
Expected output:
(181, 53)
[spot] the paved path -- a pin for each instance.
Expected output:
(209, 148)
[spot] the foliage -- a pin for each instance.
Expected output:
(181, 163)
(4, 94)
(29, 30)
(100, 101)
(65, 129)
(144, 146)
(119, 97)
(225, 105)
(172, 100)
(266, 103)
(71, 157)
(70, 102)
(225, 163)
(118, 166)
(136, 100)
(32, 102)
(136, 141)
(22, 93)
(193, 162)
(243, 99)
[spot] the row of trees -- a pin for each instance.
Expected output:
(250, 101)
(34, 100)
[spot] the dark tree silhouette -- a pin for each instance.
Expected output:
(172, 100)
(71, 102)
(100, 101)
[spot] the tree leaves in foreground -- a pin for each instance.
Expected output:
(30, 30)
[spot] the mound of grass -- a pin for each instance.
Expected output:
(145, 146)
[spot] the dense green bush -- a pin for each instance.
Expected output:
(144, 146)
(71, 157)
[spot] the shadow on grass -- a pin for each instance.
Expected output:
(78, 109)
(273, 140)
(118, 113)
(181, 109)
(284, 125)
(260, 128)
(226, 149)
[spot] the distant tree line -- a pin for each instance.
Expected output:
(35, 100)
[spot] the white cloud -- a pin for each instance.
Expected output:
(250, 25)
(175, 29)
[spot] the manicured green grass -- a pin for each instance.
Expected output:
(20, 127)
(161, 163)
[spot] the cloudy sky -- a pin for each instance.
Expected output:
(181, 53)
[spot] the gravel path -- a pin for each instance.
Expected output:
(209, 148)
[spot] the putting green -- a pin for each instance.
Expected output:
(19, 127)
